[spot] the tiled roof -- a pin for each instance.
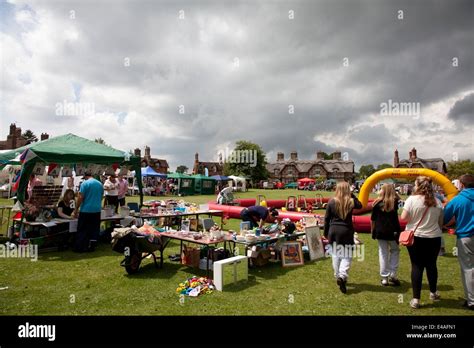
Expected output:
(305, 166)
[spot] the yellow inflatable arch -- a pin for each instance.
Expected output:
(449, 189)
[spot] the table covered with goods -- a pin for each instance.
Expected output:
(172, 213)
(200, 249)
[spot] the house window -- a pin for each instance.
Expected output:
(275, 172)
(289, 171)
(207, 184)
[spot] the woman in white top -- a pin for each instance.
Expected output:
(424, 210)
(111, 187)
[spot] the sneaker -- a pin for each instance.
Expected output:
(465, 305)
(414, 303)
(435, 296)
(394, 281)
(384, 281)
(342, 285)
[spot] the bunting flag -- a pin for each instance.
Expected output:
(26, 155)
(16, 181)
(79, 169)
(38, 169)
(66, 171)
(51, 167)
(109, 171)
(123, 171)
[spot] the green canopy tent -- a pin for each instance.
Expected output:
(10, 157)
(71, 149)
(204, 185)
(185, 183)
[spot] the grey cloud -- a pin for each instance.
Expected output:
(463, 110)
(282, 62)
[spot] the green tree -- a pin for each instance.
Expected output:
(327, 156)
(365, 171)
(248, 160)
(182, 169)
(100, 141)
(458, 168)
(383, 166)
(30, 136)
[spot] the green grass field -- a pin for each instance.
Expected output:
(65, 283)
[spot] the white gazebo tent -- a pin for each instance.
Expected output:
(239, 183)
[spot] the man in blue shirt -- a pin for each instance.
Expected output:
(461, 208)
(88, 207)
(257, 215)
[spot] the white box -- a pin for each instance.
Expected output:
(230, 271)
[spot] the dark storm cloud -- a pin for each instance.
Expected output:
(282, 62)
(463, 110)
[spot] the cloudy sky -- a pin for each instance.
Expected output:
(187, 76)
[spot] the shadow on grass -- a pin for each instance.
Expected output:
(448, 256)
(68, 255)
(271, 270)
(242, 285)
(355, 288)
(446, 303)
(149, 271)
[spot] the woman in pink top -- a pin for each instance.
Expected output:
(122, 185)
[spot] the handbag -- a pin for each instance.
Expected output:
(407, 237)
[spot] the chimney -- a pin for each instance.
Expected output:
(280, 157)
(410, 155)
(44, 136)
(12, 129)
(413, 152)
(147, 152)
(18, 132)
(196, 157)
(396, 159)
(336, 155)
(294, 155)
(138, 152)
(320, 155)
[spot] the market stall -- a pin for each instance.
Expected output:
(152, 181)
(305, 182)
(64, 154)
(239, 183)
(149, 171)
(184, 184)
(204, 185)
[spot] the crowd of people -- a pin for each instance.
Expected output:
(425, 215)
(85, 202)
(425, 211)
(159, 186)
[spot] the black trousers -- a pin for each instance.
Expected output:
(423, 254)
(112, 201)
(88, 228)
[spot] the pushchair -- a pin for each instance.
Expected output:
(135, 247)
(225, 196)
